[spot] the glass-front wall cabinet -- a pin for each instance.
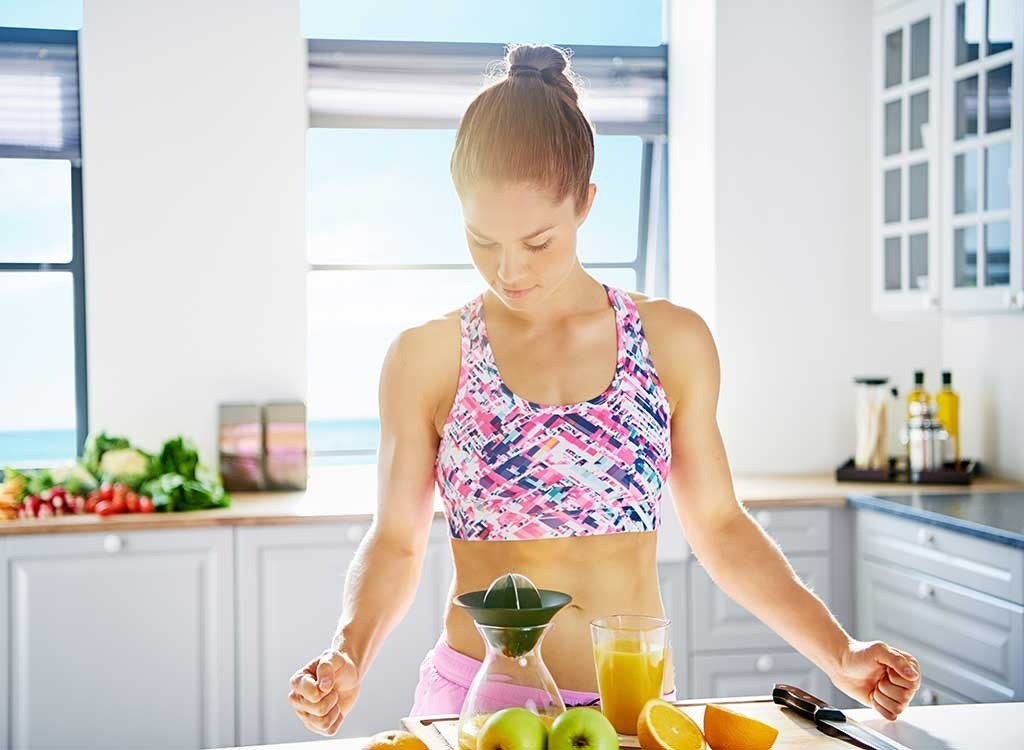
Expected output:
(948, 175)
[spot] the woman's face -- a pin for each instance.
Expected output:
(523, 244)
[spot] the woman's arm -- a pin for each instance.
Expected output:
(382, 579)
(738, 555)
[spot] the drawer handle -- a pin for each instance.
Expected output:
(764, 663)
(113, 544)
(930, 697)
(925, 536)
(764, 518)
(925, 590)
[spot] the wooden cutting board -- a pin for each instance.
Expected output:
(795, 732)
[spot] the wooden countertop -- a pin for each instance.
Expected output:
(994, 726)
(348, 493)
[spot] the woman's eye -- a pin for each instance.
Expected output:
(538, 248)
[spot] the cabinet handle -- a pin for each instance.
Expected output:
(930, 697)
(764, 663)
(112, 543)
(925, 590)
(925, 536)
(764, 518)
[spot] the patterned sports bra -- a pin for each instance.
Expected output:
(508, 468)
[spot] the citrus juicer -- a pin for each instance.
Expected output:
(512, 616)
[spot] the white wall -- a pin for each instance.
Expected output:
(787, 223)
(986, 357)
(193, 165)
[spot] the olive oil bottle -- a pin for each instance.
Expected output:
(948, 403)
(918, 393)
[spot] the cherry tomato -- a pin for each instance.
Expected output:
(131, 500)
(92, 501)
(145, 504)
(119, 504)
(105, 508)
(106, 492)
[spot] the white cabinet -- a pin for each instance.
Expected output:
(954, 601)
(905, 155)
(731, 652)
(983, 258)
(118, 640)
(674, 598)
(947, 177)
(290, 584)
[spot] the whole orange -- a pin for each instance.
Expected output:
(395, 740)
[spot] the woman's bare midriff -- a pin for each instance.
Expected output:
(605, 575)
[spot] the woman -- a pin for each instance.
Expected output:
(551, 411)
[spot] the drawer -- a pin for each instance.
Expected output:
(796, 529)
(725, 675)
(932, 694)
(979, 564)
(717, 623)
(960, 637)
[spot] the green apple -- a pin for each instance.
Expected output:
(513, 729)
(582, 729)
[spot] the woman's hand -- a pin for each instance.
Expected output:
(878, 675)
(323, 691)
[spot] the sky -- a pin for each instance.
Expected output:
(351, 198)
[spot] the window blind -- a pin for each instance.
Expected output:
(372, 84)
(39, 94)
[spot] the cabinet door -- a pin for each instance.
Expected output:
(121, 640)
(718, 623)
(291, 580)
(983, 258)
(726, 675)
(905, 148)
(959, 636)
(672, 581)
(933, 694)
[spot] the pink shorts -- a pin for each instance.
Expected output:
(445, 677)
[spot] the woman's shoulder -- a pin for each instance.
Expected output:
(424, 359)
(679, 340)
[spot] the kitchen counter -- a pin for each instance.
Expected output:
(992, 726)
(348, 493)
(997, 517)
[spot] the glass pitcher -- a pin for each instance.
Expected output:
(512, 674)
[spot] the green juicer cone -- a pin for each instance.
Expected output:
(514, 603)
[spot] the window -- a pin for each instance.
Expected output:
(382, 126)
(43, 417)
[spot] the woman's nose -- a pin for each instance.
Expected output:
(510, 267)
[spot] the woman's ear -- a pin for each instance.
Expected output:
(585, 211)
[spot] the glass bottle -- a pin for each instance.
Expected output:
(511, 674)
(918, 393)
(948, 403)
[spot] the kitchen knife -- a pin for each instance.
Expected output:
(825, 715)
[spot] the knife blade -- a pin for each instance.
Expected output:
(822, 714)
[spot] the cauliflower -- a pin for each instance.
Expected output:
(124, 464)
(72, 475)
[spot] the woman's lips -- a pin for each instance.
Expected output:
(516, 293)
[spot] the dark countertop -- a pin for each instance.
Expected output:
(996, 516)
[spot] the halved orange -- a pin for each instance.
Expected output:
(662, 726)
(729, 730)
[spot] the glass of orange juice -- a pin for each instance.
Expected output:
(629, 655)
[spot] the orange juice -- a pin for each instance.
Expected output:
(628, 675)
(469, 730)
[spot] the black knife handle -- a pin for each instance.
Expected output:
(805, 704)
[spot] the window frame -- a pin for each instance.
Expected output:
(651, 262)
(76, 266)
